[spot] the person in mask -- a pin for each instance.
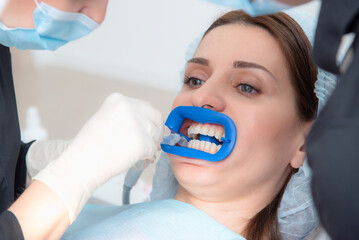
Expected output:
(48, 25)
(58, 192)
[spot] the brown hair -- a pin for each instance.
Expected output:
(303, 74)
(296, 49)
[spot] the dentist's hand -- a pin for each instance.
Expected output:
(42, 153)
(124, 131)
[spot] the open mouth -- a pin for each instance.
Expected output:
(205, 137)
(211, 135)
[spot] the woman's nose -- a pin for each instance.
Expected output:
(210, 95)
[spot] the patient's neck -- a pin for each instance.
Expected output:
(234, 214)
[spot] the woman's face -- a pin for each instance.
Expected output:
(240, 71)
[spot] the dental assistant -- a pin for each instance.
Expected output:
(98, 152)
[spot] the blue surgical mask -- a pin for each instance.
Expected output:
(53, 29)
(253, 8)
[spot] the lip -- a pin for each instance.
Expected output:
(192, 161)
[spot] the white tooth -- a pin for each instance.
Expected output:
(213, 148)
(211, 132)
(218, 147)
(197, 129)
(219, 134)
(207, 147)
(190, 143)
(204, 130)
(202, 145)
(196, 144)
(190, 130)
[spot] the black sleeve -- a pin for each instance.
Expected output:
(21, 172)
(333, 143)
(10, 227)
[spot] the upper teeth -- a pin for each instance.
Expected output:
(211, 130)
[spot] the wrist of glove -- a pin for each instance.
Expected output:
(41, 153)
(124, 131)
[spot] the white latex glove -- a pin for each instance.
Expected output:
(42, 153)
(124, 131)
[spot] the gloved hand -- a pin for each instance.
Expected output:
(42, 153)
(124, 131)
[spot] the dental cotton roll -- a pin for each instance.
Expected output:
(175, 138)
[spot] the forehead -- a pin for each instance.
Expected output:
(233, 42)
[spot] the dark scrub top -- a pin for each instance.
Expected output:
(333, 143)
(10, 227)
(12, 150)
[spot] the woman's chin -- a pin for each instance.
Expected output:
(193, 171)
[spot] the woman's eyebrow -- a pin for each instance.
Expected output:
(243, 64)
(236, 64)
(199, 60)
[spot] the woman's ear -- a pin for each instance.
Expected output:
(299, 156)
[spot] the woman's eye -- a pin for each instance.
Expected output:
(192, 81)
(248, 89)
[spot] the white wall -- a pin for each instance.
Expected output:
(141, 41)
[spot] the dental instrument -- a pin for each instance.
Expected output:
(131, 179)
(174, 138)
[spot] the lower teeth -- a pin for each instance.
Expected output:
(204, 146)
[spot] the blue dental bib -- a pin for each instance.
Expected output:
(201, 115)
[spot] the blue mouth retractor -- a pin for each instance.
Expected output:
(200, 115)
